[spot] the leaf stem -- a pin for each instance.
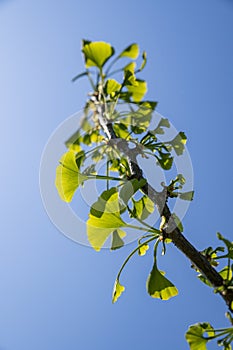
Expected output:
(131, 254)
(153, 230)
(139, 220)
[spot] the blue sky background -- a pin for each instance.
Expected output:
(54, 293)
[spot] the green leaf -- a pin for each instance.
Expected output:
(130, 67)
(143, 249)
(121, 130)
(117, 241)
(165, 160)
(137, 92)
(203, 279)
(68, 177)
(74, 141)
(158, 286)
(228, 244)
(129, 79)
(118, 289)
(226, 273)
(180, 178)
(96, 53)
(149, 105)
(178, 222)
(187, 196)
(163, 123)
(178, 143)
(132, 51)
(144, 61)
(130, 188)
(99, 228)
(112, 86)
(142, 208)
(195, 338)
(98, 208)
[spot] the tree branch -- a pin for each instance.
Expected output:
(160, 200)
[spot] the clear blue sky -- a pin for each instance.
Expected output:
(54, 293)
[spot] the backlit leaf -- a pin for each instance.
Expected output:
(121, 130)
(187, 196)
(98, 208)
(68, 177)
(117, 241)
(132, 51)
(129, 79)
(195, 335)
(158, 286)
(163, 123)
(130, 67)
(112, 86)
(144, 60)
(130, 188)
(142, 208)
(165, 160)
(226, 273)
(99, 228)
(118, 289)
(96, 53)
(228, 244)
(179, 142)
(143, 249)
(137, 92)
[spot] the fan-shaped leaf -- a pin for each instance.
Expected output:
(118, 289)
(99, 228)
(187, 196)
(195, 338)
(68, 177)
(132, 51)
(112, 86)
(229, 245)
(137, 92)
(158, 286)
(96, 53)
(130, 67)
(117, 241)
(179, 142)
(144, 61)
(143, 249)
(142, 208)
(130, 188)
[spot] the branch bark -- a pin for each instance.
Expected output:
(160, 200)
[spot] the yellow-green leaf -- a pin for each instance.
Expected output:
(178, 143)
(99, 228)
(158, 286)
(143, 207)
(137, 92)
(187, 196)
(118, 289)
(144, 58)
(132, 51)
(226, 273)
(112, 86)
(143, 249)
(68, 177)
(96, 53)
(195, 338)
(117, 241)
(130, 67)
